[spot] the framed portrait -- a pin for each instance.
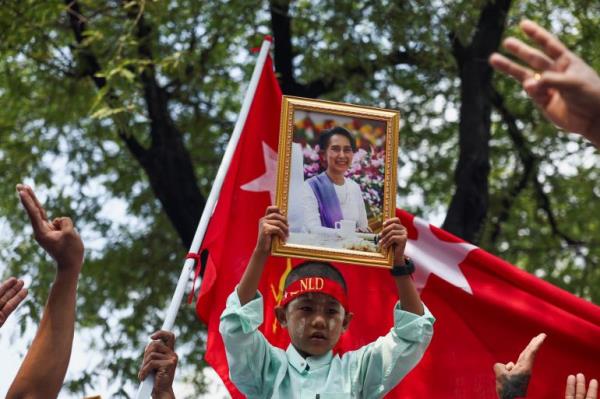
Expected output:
(336, 180)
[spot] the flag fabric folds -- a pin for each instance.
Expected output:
(487, 310)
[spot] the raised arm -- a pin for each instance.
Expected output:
(270, 225)
(43, 370)
(395, 235)
(562, 85)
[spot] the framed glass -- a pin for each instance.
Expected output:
(336, 180)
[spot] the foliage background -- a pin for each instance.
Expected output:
(118, 113)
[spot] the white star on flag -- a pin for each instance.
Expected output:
(265, 182)
(432, 255)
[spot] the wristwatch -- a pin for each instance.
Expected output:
(403, 270)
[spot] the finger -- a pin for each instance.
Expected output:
(539, 94)
(393, 234)
(275, 230)
(570, 387)
(156, 346)
(580, 386)
(165, 336)
(276, 224)
(504, 65)
(282, 223)
(63, 224)
(275, 217)
(527, 357)
(393, 225)
(152, 366)
(37, 217)
(592, 392)
(510, 366)
(550, 44)
(6, 285)
(499, 369)
(558, 81)
(155, 356)
(11, 292)
(532, 56)
(392, 220)
(272, 209)
(13, 302)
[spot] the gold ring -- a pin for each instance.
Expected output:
(537, 76)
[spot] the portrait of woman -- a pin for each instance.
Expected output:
(336, 180)
(330, 197)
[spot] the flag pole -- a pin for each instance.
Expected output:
(145, 388)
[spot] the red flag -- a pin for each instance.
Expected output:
(487, 310)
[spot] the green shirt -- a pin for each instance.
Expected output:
(261, 370)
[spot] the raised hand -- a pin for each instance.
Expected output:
(11, 295)
(394, 235)
(575, 388)
(58, 237)
(512, 379)
(270, 225)
(160, 358)
(565, 88)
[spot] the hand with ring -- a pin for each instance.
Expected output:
(562, 85)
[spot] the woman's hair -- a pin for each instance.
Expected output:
(315, 269)
(326, 135)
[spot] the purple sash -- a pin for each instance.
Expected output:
(329, 205)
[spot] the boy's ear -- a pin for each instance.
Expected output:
(347, 318)
(281, 316)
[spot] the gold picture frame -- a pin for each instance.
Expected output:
(311, 183)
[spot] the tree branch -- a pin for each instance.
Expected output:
(284, 57)
(527, 159)
(167, 162)
(469, 205)
(530, 170)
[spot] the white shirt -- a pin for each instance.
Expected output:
(351, 202)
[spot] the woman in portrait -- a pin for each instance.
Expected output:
(330, 196)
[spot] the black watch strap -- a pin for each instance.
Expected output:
(403, 270)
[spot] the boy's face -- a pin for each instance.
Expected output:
(315, 322)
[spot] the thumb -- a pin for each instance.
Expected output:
(499, 369)
(63, 224)
(558, 81)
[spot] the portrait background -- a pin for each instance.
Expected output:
(368, 162)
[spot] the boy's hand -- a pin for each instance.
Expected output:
(512, 379)
(272, 224)
(58, 237)
(394, 235)
(11, 295)
(160, 358)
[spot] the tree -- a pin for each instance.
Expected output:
(129, 104)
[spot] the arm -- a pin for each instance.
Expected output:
(512, 379)
(561, 84)
(250, 357)
(383, 363)
(11, 295)
(54, 338)
(160, 359)
(395, 235)
(273, 223)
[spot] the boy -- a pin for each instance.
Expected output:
(314, 310)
